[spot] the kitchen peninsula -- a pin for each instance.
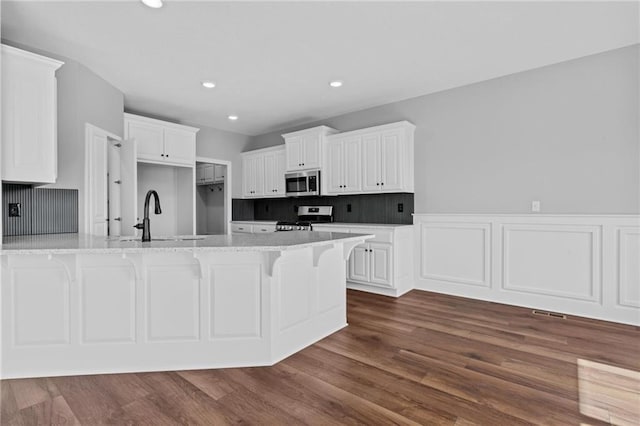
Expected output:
(76, 304)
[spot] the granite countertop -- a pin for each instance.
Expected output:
(350, 224)
(84, 244)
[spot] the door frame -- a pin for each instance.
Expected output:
(227, 186)
(91, 130)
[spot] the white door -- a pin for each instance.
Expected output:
(371, 162)
(279, 173)
(179, 146)
(359, 263)
(311, 152)
(209, 173)
(295, 148)
(114, 183)
(248, 166)
(218, 173)
(352, 165)
(128, 187)
(259, 176)
(334, 167)
(380, 264)
(149, 138)
(96, 165)
(270, 164)
(391, 159)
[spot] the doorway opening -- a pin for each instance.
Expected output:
(213, 196)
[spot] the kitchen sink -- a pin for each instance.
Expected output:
(176, 238)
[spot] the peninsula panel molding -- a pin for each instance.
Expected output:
(583, 265)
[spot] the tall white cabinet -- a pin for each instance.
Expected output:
(29, 117)
(166, 155)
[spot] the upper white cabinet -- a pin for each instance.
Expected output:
(376, 159)
(160, 141)
(304, 148)
(342, 172)
(207, 174)
(263, 173)
(29, 119)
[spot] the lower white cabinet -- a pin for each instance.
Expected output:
(247, 227)
(384, 263)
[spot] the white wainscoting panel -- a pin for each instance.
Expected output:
(173, 303)
(456, 252)
(40, 292)
(554, 260)
(108, 304)
(628, 266)
(235, 301)
(585, 265)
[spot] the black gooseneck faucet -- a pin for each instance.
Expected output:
(146, 232)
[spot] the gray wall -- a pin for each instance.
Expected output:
(565, 134)
(83, 97)
(223, 145)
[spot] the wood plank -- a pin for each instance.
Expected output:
(423, 358)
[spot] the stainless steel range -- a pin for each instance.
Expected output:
(307, 216)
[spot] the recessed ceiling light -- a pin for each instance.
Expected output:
(154, 4)
(233, 117)
(208, 84)
(335, 83)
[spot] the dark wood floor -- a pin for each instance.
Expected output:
(421, 359)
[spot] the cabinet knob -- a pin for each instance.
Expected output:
(378, 183)
(382, 184)
(161, 155)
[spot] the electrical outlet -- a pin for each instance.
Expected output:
(535, 206)
(15, 210)
(400, 207)
(348, 208)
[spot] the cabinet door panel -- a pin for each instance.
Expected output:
(179, 146)
(311, 152)
(269, 174)
(371, 162)
(280, 170)
(352, 165)
(149, 140)
(391, 161)
(334, 167)
(258, 176)
(29, 149)
(359, 263)
(247, 165)
(381, 270)
(218, 173)
(294, 147)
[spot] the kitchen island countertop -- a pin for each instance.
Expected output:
(82, 243)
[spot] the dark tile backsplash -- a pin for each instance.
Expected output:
(44, 211)
(365, 208)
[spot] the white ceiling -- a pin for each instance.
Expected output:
(272, 61)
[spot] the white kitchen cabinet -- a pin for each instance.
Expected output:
(252, 227)
(218, 173)
(161, 142)
(263, 173)
(372, 160)
(29, 117)
(342, 171)
(304, 148)
(383, 264)
(208, 174)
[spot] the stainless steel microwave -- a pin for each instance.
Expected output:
(300, 184)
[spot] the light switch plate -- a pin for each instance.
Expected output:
(535, 206)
